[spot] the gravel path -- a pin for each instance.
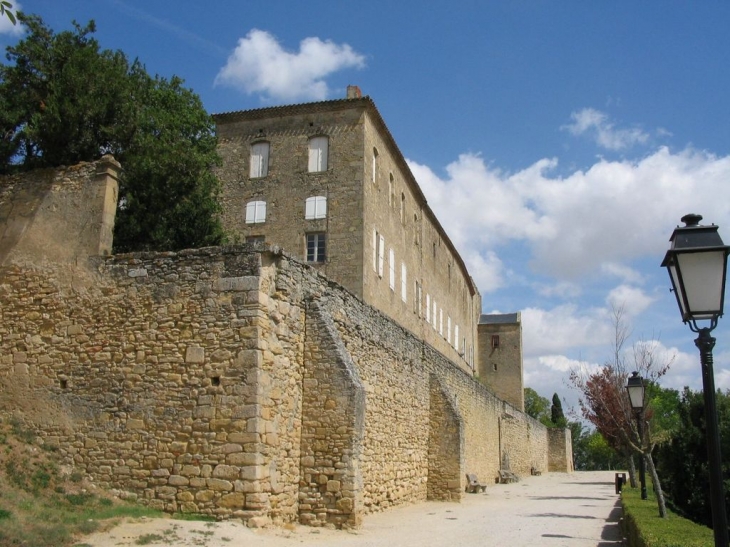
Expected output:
(555, 510)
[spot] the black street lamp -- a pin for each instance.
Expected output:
(635, 387)
(697, 265)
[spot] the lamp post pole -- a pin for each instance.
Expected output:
(642, 464)
(705, 343)
(697, 266)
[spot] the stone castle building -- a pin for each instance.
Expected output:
(322, 377)
(327, 182)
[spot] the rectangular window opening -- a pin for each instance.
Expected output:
(316, 247)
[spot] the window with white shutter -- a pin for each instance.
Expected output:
(315, 207)
(375, 250)
(381, 254)
(391, 269)
(403, 283)
(255, 212)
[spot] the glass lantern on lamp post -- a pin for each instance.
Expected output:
(697, 265)
(635, 387)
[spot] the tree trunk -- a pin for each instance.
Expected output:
(632, 471)
(657, 486)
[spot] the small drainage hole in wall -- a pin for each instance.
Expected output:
(215, 380)
(64, 384)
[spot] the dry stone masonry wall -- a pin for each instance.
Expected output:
(239, 382)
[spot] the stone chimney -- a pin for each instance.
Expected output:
(353, 92)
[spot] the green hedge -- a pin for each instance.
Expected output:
(644, 528)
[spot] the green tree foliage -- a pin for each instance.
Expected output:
(537, 406)
(591, 452)
(682, 462)
(64, 100)
(556, 412)
(6, 10)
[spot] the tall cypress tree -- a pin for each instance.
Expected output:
(556, 412)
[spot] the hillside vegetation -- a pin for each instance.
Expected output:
(44, 503)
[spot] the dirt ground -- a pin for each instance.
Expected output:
(555, 509)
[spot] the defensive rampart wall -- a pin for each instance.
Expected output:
(238, 382)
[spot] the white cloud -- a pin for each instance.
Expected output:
(582, 223)
(554, 331)
(260, 65)
(563, 289)
(6, 27)
(631, 300)
(605, 133)
(486, 269)
(623, 272)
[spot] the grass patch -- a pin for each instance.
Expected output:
(194, 517)
(644, 527)
(146, 539)
(43, 506)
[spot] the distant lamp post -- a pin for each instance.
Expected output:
(697, 265)
(635, 387)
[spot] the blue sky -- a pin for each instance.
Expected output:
(558, 142)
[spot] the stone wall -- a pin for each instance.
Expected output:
(59, 215)
(238, 383)
(288, 183)
(560, 450)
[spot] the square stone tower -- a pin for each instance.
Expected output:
(500, 356)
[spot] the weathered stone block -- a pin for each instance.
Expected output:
(226, 472)
(195, 355)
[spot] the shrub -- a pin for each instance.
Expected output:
(644, 528)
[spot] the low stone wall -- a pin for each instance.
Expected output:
(239, 383)
(59, 215)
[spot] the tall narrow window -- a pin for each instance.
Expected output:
(391, 269)
(318, 147)
(428, 308)
(390, 190)
(495, 340)
(315, 207)
(381, 254)
(255, 212)
(418, 300)
(375, 250)
(375, 165)
(435, 319)
(316, 247)
(441, 322)
(448, 329)
(403, 282)
(456, 337)
(402, 208)
(259, 159)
